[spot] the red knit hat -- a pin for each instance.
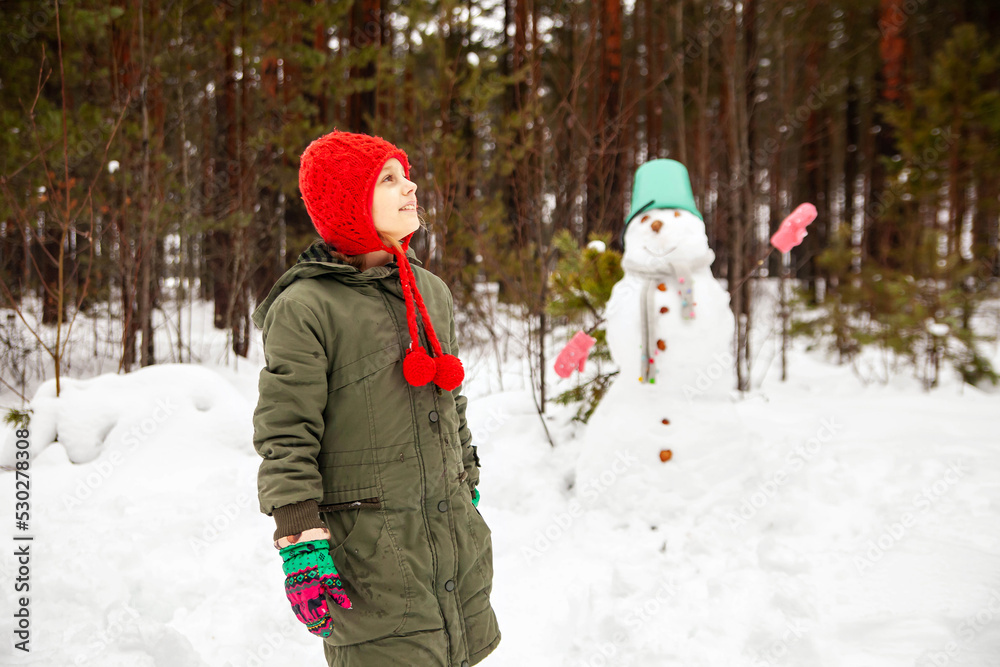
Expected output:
(337, 175)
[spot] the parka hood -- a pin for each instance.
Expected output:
(317, 260)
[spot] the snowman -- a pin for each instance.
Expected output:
(668, 417)
(669, 320)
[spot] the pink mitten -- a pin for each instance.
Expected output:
(793, 228)
(574, 355)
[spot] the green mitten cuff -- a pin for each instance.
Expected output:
(475, 497)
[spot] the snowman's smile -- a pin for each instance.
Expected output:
(658, 254)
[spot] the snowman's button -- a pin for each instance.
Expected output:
(664, 310)
(661, 287)
(661, 345)
(666, 422)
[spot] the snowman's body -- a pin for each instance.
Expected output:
(675, 391)
(687, 319)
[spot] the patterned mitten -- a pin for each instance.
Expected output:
(475, 498)
(309, 572)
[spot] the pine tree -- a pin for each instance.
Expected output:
(579, 290)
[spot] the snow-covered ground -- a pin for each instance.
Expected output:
(842, 525)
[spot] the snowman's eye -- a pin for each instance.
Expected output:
(644, 218)
(677, 214)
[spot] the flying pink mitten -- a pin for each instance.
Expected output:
(793, 228)
(574, 355)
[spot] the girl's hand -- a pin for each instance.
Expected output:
(309, 574)
(311, 534)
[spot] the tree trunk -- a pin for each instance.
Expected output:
(852, 142)
(883, 234)
(366, 30)
(605, 197)
(655, 46)
(206, 277)
(249, 228)
(227, 184)
(185, 247)
(810, 184)
(680, 110)
(517, 199)
(124, 79)
(152, 143)
(984, 227)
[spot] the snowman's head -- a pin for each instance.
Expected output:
(666, 241)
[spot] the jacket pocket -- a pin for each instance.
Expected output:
(353, 504)
(453, 455)
(475, 546)
(363, 367)
(370, 572)
(347, 475)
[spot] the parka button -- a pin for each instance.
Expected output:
(443, 506)
(433, 416)
(449, 585)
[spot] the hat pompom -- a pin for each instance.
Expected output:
(418, 367)
(449, 372)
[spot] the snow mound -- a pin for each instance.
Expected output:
(111, 411)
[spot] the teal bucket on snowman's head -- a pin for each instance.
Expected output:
(661, 184)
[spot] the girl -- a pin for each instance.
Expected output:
(368, 467)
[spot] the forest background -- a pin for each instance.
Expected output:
(149, 155)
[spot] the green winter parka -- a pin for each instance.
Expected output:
(392, 466)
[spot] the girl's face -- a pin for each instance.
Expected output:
(394, 204)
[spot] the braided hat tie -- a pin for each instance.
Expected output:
(418, 368)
